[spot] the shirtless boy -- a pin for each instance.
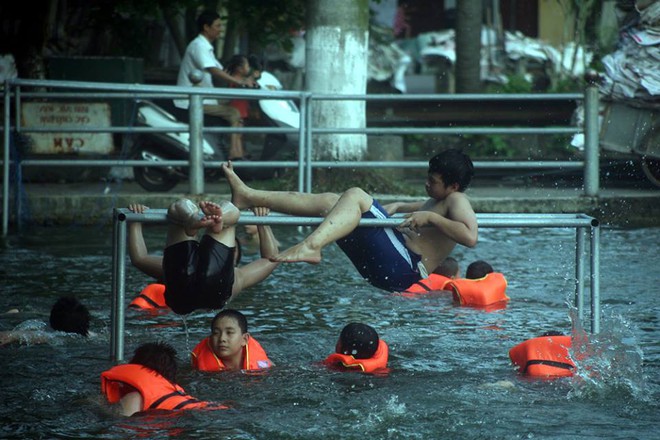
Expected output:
(390, 259)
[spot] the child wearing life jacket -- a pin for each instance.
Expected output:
(148, 382)
(545, 356)
(359, 349)
(229, 347)
(438, 280)
(481, 287)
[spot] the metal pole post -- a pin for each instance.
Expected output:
(591, 136)
(595, 279)
(308, 147)
(580, 240)
(303, 139)
(118, 288)
(5, 165)
(196, 141)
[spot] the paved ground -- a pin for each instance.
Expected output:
(620, 203)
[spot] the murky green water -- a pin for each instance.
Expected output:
(447, 362)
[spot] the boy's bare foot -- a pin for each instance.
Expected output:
(298, 253)
(185, 213)
(213, 223)
(212, 216)
(239, 190)
(210, 208)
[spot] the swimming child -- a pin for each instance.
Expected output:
(67, 315)
(359, 349)
(229, 347)
(148, 382)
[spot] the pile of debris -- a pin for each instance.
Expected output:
(631, 72)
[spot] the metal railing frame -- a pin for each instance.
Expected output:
(583, 224)
(305, 162)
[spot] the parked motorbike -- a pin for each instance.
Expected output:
(164, 146)
(158, 147)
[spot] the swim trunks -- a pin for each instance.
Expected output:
(198, 275)
(380, 254)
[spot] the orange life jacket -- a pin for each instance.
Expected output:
(151, 297)
(484, 291)
(346, 362)
(156, 391)
(254, 357)
(431, 283)
(544, 356)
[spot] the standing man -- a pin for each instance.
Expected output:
(200, 57)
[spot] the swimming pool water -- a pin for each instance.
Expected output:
(450, 372)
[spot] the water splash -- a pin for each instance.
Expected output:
(609, 364)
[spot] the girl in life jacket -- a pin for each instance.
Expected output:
(545, 356)
(438, 280)
(481, 287)
(229, 347)
(359, 349)
(148, 382)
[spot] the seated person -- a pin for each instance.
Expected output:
(148, 382)
(545, 356)
(482, 286)
(239, 67)
(67, 315)
(445, 272)
(244, 276)
(359, 349)
(229, 347)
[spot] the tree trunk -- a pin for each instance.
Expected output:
(468, 46)
(336, 62)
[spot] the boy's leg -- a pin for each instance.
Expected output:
(287, 202)
(341, 221)
(222, 219)
(215, 267)
(184, 221)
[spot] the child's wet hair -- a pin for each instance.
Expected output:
(358, 340)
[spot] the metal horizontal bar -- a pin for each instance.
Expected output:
(450, 130)
(484, 220)
(288, 164)
(180, 91)
(454, 97)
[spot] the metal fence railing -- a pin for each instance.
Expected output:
(584, 226)
(18, 91)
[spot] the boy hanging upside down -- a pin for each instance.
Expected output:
(201, 274)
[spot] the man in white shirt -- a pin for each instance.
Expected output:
(200, 57)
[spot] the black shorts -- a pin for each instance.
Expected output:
(198, 275)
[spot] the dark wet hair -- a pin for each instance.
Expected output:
(70, 315)
(159, 356)
(478, 269)
(359, 340)
(231, 313)
(454, 166)
(448, 267)
(235, 62)
(206, 18)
